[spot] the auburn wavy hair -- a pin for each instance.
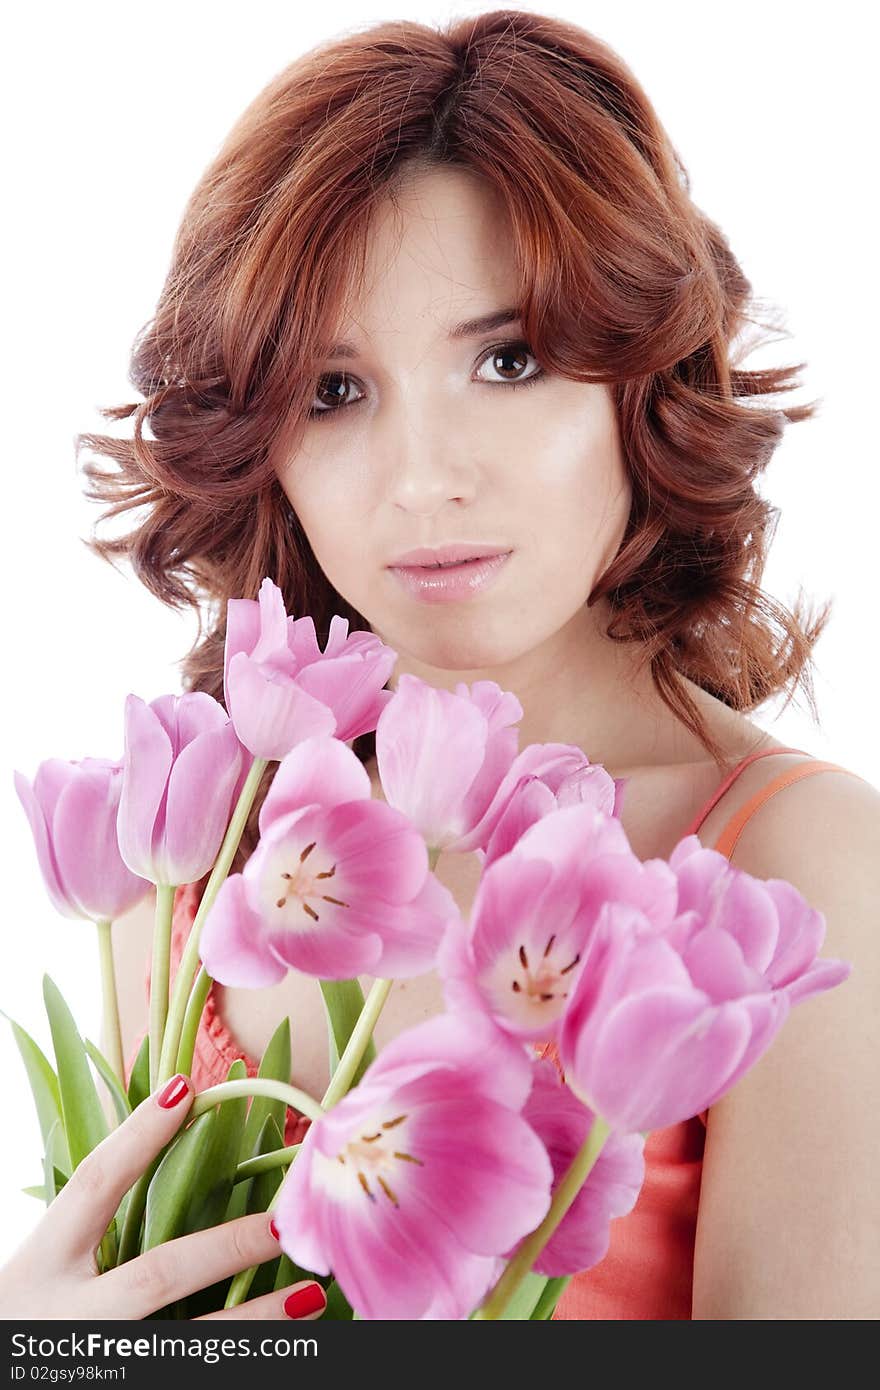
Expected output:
(622, 280)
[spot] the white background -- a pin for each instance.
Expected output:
(112, 111)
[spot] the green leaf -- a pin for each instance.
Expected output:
(111, 1081)
(53, 1178)
(262, 1189)
(59, 1180)
(192, 1184)
(210, 1200)
(178, 1177)
(290, 1273)
(343, 1002)
(550, 1297)
(265, 1185)
(338, 1308)
(139, 1080)
(274, 1065)
(238, 1200)
(84, 1120)
(42, 1080)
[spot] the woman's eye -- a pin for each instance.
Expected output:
(514, 357)
(331, 393)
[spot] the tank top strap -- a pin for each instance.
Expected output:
(727, 839)
(728, 782)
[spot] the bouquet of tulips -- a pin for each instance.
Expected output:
(460, 1172)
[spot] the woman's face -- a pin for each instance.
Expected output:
(419, 439)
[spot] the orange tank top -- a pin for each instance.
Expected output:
(647, 1273)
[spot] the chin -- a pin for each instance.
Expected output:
(466, 652)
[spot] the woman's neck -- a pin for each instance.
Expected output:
(582, 688)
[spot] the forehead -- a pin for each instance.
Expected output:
(438, 251)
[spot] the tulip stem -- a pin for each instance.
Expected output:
(130, 1239)
(499, 1296)
(257, 1086)
(112, 1032)
(357, 1044)
(159, 972)
(194, 1006)
(190, 957)
(264, 1163)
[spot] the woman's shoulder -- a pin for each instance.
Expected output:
(804, 1107)
(777, 803)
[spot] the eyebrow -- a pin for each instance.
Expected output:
(468, 328)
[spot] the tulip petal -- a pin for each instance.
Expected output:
(715, 964)
(271, 713)
(146, 767)
(45, 851)
(412, 932)
(821, 975)
(430, 745)
(490, 1188)
(348, 684)
(380, 853)
(745, 910)
(484, 1058)
(233, 945)
(766, 1014)
(552, 763)
(612, 1185)
(327, 950)
(302, 639)
(86, 847)
(801, 933)
(272, 651)
(387, 1269)
(198, 713)
(242, 634)
(319, 771)
(198, 806)
(660, 1056)
(530, 800)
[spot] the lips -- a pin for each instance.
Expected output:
(453, 553)
(450, 583)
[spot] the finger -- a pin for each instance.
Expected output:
(283, 1303)
(77, 1219)
(180, 1267)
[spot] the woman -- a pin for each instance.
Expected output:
(402, 232)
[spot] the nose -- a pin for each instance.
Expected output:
(429, 463)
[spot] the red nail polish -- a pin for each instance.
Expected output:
(274, 1229)
(173, 1092)
(304, 1301)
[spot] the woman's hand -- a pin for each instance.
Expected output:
(54, 1273)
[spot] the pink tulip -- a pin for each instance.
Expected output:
(612, 1186)
(337, 886)
(280, 688)
(521, 953)
(412, 1185)
(538, 793)
(449, 761)
(661, 1023)
(72, 809)
(182, 771)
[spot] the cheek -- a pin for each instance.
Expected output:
(579, 482)
(332, 514)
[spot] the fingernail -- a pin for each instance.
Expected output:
(275, 1231)
(304, 1301)
(173, 1092)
